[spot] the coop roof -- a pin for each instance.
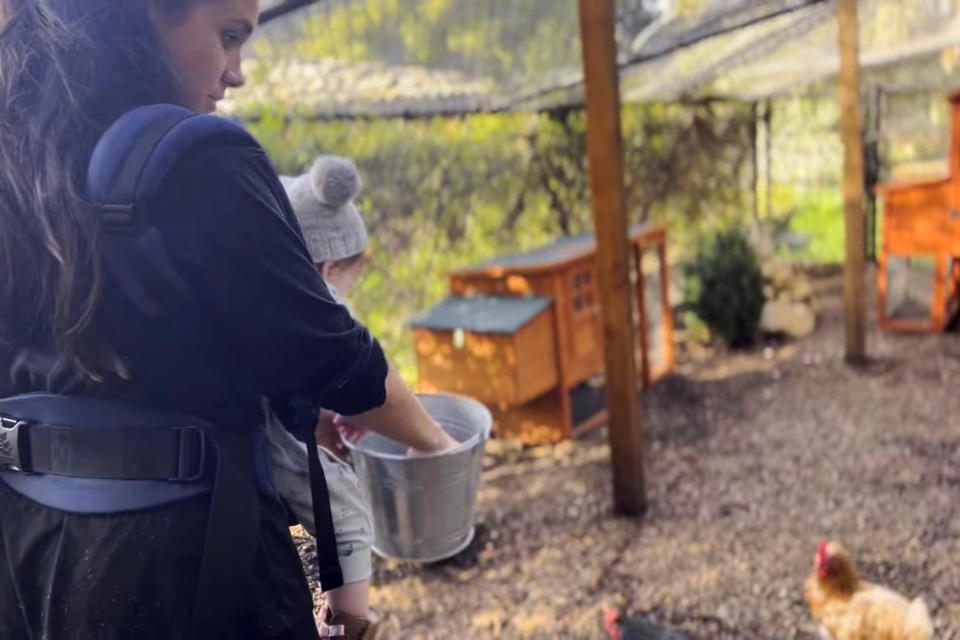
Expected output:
(482, 314)
(354, 58)
(562, 250)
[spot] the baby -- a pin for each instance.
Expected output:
(322, 200)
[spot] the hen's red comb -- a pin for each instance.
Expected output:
(610, 618)
(822, 552)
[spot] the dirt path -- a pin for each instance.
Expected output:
(751, 459)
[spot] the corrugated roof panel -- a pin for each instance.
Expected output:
(734, 49)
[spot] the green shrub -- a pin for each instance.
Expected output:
(725, 287)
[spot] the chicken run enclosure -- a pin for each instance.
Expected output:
(741, 462)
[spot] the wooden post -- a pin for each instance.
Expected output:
(854, 293)
(768, 156)
(755, 163)
(605, 158)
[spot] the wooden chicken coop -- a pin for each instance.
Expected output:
(523, 334)
(917, 270)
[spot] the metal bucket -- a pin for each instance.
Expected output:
(423, 506)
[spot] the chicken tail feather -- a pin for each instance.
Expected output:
(917, 624)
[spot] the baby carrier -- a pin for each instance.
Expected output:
(95, 456)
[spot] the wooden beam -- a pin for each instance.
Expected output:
(854, 285)
(282, 9)
(605, 158)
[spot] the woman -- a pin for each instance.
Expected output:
(260, 321)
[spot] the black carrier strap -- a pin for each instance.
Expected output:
(232, 539)
(328, 563)
(300, 413)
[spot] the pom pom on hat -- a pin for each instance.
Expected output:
(336, 180)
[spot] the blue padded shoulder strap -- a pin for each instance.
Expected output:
(126, 171)
(134, 155)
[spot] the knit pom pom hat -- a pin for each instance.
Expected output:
(323, 201)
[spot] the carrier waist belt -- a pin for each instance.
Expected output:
(177, 454)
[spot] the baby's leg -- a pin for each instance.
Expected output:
(353, 524)
(352, 599)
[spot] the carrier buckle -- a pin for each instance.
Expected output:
(10, 444)
(191, 454)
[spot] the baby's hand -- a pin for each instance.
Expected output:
(325, 433)
(349, 429)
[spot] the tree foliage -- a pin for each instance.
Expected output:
(494, 38)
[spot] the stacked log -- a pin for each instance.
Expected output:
(789, 308)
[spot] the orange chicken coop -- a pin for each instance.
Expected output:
(921, 225)
(523, 334)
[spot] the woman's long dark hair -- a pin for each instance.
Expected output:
(68, 68)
